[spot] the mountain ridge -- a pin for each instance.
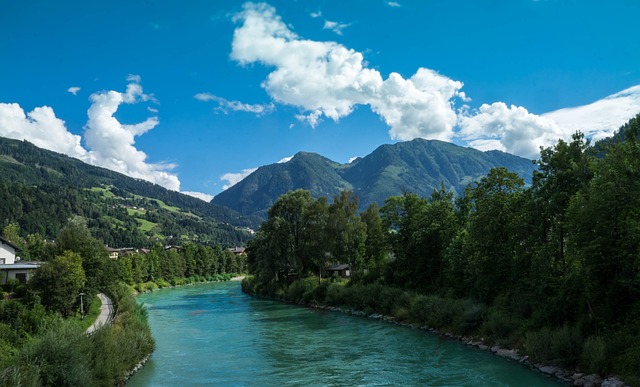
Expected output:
(416, 166)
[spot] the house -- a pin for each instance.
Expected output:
(113, 253)
(123, 252)
(237, 250)
(342, 270)
(7, 252)
(11, 267)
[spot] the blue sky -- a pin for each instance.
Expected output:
(185, 93)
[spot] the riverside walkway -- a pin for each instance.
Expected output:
(106, 314)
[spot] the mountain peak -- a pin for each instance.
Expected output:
(417, 166)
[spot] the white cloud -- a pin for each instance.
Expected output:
(226, 106)
(602, 118)
(393, 4)
(233, 178)
(112, 143)
(285, 160)
(40, 127)
(202, 196)
(328, 79)
(512, 129)
(313, 118)
(352, 159)
(335, 26)
(315, 15)
(73, 90)
(515, 130)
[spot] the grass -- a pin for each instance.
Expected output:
(91, 316)
(136, 212)
(9, 159)
(146, 225)
(105, 192)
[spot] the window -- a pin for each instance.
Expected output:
(22, 277)
(2, 260)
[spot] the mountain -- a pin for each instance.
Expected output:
(41, 189)
(417, 166)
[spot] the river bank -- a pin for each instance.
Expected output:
(128, 374)
(218, 335)
(460, 320)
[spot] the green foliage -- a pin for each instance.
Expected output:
(562, 346)
(60, 355)
(59, 282)
(41, 190)
(594, 355)
(417, 166)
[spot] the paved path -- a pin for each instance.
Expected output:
(106, 312)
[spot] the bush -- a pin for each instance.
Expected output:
(499, 326)
(61, 355)
(336, 294)
(471, 317)
(594, 355)
(561, 346)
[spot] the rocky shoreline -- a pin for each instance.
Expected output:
(568, 376)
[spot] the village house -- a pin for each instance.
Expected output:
(237, 250)
(123, 252)
(341, 270)
(10, 265)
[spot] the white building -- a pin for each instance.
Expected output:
(11, 267)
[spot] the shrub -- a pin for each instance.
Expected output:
(594, 355)
(561, 346)
(499, 326)
(60, 355)
(470, 317)
(336, 294)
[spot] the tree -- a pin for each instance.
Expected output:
(95, 262)
(59, 282)
(345, 232)
(494, 232)
(401, 216)
(604, 220)
(375, 247)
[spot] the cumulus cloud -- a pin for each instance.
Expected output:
(202, 196)
(40, 127)
(73, 90)
(227, 106)
(233, 178)
(335, 26)
(602, 118)
(393, 4)
(315, 15)
(326, 79)
(112, 143)
(515, 129)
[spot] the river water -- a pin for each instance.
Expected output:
(214, 335)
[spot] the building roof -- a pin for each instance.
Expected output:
(8, 242)
(20, 266)
(237, 250)
(343, 266)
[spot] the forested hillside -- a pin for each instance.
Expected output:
(552, 269)
(417, 166)
(40, 190)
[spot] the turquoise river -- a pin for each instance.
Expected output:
(214, 335)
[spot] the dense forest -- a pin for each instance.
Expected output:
(41, 190)
(41, 322)
(122, 220)
(552, 269)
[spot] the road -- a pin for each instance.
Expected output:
(106, 312)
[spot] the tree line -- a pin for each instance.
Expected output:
(551, 263)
